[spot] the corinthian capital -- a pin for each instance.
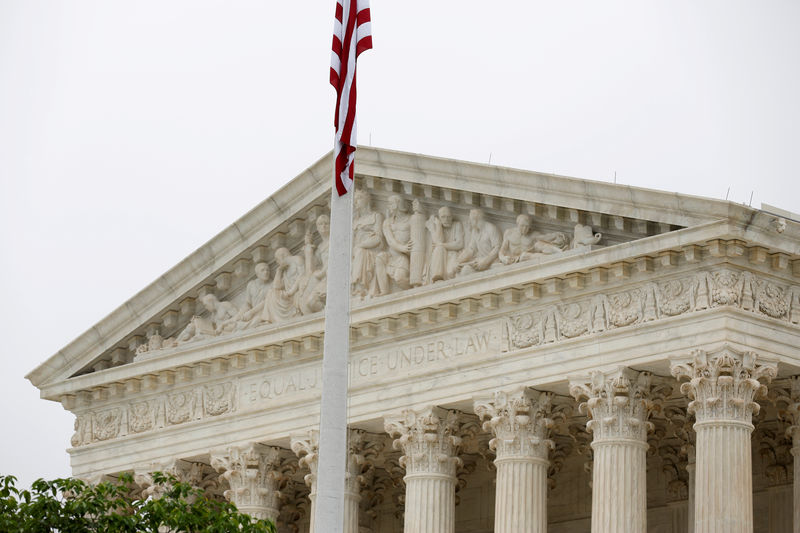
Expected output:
(254, 474)
(429, 439)
(519, 420)
(306, 447)
(362, 450)
(618, 401)
(724, 384)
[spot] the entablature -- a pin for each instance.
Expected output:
(394, 346)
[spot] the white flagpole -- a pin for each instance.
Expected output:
(331, 469)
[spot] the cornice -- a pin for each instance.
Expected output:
(463, 300)
(474, 184)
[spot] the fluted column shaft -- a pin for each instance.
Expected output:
(619, 403)
(306, 446)
(690, 468)
(429, 439)
(722, 386)
(430, 503)
(619, 486)
(351, 501)
(521, 495)
(519, 421)
(724, 478)
(796, 479)
(791, 398)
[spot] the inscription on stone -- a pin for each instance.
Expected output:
(431, 352)
(279, 386)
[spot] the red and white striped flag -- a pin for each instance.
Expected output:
(352, 34)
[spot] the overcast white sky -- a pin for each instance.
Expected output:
(132, 132)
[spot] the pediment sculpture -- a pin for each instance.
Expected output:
(405, 247)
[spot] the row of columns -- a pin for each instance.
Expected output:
(721, 387)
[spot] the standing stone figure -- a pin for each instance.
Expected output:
(368, 274)
(397, 231)
(447, 240)
(280, 303)
(483, 245)
(312, 297)
(419, 245)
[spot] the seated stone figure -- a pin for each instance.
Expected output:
(217, 323)
(447, 240)
(280, 302)
(255, 294)
(521, 244)
(483, 245)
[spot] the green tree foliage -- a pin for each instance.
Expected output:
(72, 506)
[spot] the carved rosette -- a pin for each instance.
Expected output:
(429, 439)
(254, 475)
(519, 421)
(724, 384)
(619, 403)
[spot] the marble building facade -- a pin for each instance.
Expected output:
(529, 353)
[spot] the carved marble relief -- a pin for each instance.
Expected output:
(168, 409)
(653, 301)
(397, 248)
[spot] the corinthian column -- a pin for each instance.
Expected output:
(790, 397)
(794, 431)
(253, 472)
(520, 425)
(306, 446)
(360, 449)
(429, 439)
(618, 403)
(722, 386)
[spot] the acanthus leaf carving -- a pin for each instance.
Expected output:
(520, 422)
(619, 403)
(722, 385)
(429, 438)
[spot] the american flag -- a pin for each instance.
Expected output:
(352, 34)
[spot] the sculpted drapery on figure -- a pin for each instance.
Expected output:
(255, 295)
(397, 231)
(405, 249)
(281, 300)
(447, 241)
(419, 245)
(315, 284)
(368, 269)
(220, 321)
(521, 244)
(483, 244)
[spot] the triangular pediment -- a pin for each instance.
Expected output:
(216, 293)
